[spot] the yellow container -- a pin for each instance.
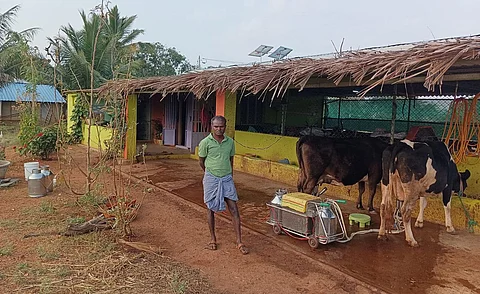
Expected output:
(297, 201)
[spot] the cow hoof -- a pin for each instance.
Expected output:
(360, 206)
(451, 230)
(418, 224)
(372, 211)
(382, 237)
(412, 243)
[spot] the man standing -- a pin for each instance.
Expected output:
(216, 153)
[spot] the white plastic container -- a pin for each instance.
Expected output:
(28, 167)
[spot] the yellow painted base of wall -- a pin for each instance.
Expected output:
(288, 174)
(98, 136)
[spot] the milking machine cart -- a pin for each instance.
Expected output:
(308, 217)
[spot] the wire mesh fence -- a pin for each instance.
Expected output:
(342, 117)
(374, 115)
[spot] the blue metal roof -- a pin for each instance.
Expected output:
(17, 92)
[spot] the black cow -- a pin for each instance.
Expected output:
(340, 162)
(411, 170)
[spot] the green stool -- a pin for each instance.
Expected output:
(360, 218)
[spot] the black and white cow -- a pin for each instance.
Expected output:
(412, 170)
(340, 162)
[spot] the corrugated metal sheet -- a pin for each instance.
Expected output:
(17, 92)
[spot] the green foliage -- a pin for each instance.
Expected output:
(44, 143)
(91, 199)
(19, 60)
(102, 43)
(29, 127)
(35, 140)
(79, 113)
(158, 128)
(154, 59)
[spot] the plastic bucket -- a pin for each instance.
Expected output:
(28, 167)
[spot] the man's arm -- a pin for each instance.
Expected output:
(201, 161)
(231, 163)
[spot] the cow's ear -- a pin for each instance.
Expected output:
(465, 175)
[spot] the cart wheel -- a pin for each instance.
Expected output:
(277, 229)
(313, 242)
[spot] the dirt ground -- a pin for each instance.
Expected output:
(173, 218)
(443, 263)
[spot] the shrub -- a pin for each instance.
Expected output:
(42, 144)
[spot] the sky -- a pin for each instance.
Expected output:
(224, 32)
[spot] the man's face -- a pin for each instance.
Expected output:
(218, 127)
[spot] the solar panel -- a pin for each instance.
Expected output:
(280, 53)
(261, 50)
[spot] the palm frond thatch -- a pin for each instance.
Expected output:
(368, 68)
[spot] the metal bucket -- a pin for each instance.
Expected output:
(47, 178)
(36, 187)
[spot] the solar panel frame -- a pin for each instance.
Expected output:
(261, 50)
(280, 53)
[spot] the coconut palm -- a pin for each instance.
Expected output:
(14, 47)
(100, 47)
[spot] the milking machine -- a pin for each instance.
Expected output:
(308, 217)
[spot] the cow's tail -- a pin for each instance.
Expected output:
(301, 172)
(393, 157)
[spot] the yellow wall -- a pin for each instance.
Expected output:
(70, 104)
(473, 165)
(131, 140)
(269, 147)
(98, 136)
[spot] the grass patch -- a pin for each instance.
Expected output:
(62, 272)
(6, 250)
(47, 254)
(76, 220)
(178, 284)
(91, 199)
(47, 207)
(8, 224)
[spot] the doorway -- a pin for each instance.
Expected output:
(144, 121)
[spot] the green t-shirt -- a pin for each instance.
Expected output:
(217, 155)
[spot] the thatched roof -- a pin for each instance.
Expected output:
(370, 68)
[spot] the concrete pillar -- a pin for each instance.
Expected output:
(131, 137)
(226, 105)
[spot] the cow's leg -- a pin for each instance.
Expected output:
(407, 220)
(301, 180)
(423, 204)
(361, 190)
(310, 185)
(448, 218)
(382, 232)
(372, 188)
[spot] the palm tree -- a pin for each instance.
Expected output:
(14, 46)
(100, 47)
